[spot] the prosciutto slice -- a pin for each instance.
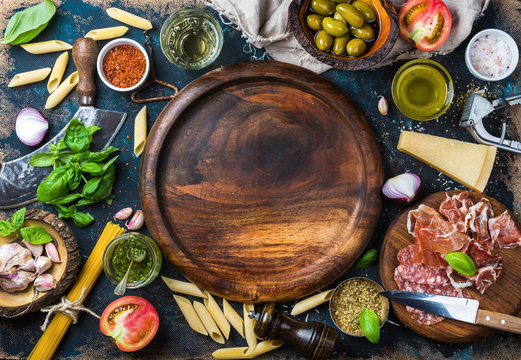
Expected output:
(476, 221)
(504, 232)
(455, 208)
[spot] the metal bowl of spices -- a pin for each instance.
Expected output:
(123, 65)
(116, 261)
(352, 296)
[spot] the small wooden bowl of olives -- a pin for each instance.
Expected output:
(345, 34)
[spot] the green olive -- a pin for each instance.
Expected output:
(339, 44)
(323, 40)
(337, 16)
(323, 7)
(334, 27)
(351, 14)
(340, 1)
(365, 9)
(356, 47)
(366, 32)
(314, 21)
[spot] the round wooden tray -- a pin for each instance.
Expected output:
(18, 303)
(261, 182)
(504, 296)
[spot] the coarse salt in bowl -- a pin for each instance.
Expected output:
(112, 44)
(491, 55)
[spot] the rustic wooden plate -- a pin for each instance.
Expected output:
(261, 182)
(18, 303)
(504, 296)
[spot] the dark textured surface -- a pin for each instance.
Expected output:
(175, 340)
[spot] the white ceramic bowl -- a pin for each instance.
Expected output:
(514, 51)
(105, 50)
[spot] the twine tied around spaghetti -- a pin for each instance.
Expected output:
(69, 308)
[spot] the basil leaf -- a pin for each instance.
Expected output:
(6, 228)
(96, 156)
(26, 24)
(85, 202)
(92, 130)
(461, 262)
(367, 259)
(101, 187)
(66, 156)
(59, 146)
(42, 160)
(65, 212)
(370, 325)
(73, 176)
(91, 168)
(82, 219)
(77, 137)
(17, 219)
(35, 235)
(55, 185)
(64, 199)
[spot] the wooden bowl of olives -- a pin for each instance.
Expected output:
(345, 34)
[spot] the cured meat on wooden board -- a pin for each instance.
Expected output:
(503, 296)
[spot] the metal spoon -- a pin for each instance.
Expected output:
(137, 255)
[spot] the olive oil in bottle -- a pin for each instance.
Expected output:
(191, 38)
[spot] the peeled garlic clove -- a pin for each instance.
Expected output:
(44, 282)
(136, 222)
(123, 214)
(52, 252)
(383, 106)
(36, 250)
(42, 264)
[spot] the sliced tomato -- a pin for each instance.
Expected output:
(425, 23)
(130, 321)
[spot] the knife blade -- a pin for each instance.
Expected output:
(461, 309)
(18, 179)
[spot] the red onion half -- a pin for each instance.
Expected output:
(31, 126)
(402, 189)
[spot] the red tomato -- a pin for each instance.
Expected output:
(130, 321)
(425, 23)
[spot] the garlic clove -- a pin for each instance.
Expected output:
(44, 282)
(52, 252)
(123, 214)
(136, 222)
(383, 106)
(29, 265)
(36, 250)
(42, 264)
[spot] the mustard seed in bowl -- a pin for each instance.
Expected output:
(350, 298)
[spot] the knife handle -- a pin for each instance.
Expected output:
(499, 321)
(85, 53)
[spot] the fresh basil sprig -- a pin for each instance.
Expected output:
(35, 235)
(367, 259)
(370, 325)
(9, 227)
(461, 262)
(73, 164)
(26, 24)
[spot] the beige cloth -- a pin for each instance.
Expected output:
(263, 24)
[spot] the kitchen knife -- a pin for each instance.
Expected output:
(460, 309)
(18, 179)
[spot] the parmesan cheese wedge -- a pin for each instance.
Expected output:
(467, 163)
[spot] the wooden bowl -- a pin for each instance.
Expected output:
(388, 33)
(19, 302)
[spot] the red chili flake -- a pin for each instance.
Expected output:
(124, 66)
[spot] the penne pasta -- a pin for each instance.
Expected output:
(57, 72)
(65, 87)
(29, 77)
(311, 302)
(107, 33)
(208, 322)
(129, 19)
(190, 314)
(233, 318)
(244, 353)
(183, 287)
(46, 46)
(249, 325)
(217, 314)
(140, 131)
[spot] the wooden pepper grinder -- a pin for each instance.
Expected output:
(313, 340)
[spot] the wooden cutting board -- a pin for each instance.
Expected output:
(504, 296)
(261, 182)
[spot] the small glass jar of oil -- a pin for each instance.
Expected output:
(191, 38)
(422, 89)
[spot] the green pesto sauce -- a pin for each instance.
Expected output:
(120, 262)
